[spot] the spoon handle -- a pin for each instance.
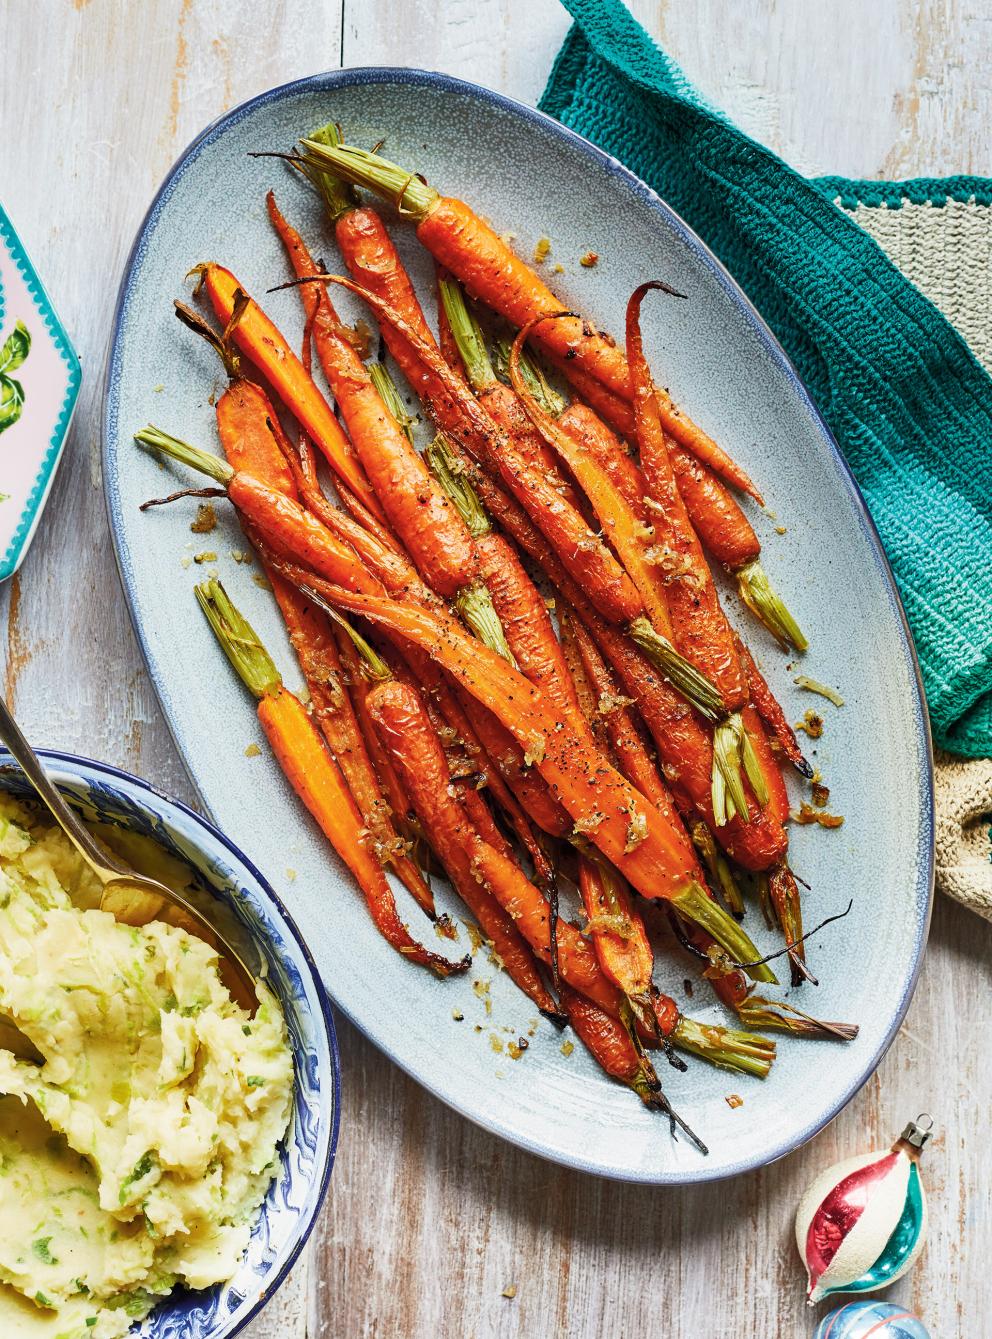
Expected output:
(30, 764)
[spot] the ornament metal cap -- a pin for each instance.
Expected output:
(918, 1131)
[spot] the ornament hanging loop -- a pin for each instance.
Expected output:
(918, 1131)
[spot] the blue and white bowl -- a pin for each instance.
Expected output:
(104, 794)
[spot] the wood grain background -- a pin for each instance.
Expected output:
(429, 1220)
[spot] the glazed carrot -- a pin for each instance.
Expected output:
(629, 748)
(253, 440)
(459, 240)
(430, 528)
(609, 1043)
(413, 745)
(261, 340)
(405, 731)
(284, 525)
(684, 748)
(701, 627)
(331, 707)
(618, 934)
(518, 604)
(359, 687)
(311, 771)
(500, 757)
(500, 401)
(604, 806)
(489, 439)
(771, 712)
(716, 516)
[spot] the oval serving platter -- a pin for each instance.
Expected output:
(532, 178)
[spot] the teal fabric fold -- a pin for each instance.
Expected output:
(906, 399)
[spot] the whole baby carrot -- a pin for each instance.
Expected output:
(490, 270)
(261, 340)
(311, 771)
(413, 745)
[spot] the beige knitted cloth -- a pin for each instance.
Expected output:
(946, 250)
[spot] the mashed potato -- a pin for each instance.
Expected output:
(137, 1155)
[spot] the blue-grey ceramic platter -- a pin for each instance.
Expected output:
(532, 178)
(103, 794)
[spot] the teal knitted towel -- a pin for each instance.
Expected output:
(903, 393)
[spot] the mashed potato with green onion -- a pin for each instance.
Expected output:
(137, 1155)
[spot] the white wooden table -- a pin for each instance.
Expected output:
(429, 1219)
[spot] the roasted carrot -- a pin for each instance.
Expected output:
(529, 632)
(252, 439)
(466, 245)
(311, 770)
(683, 747)
(623, 949)
(421, 515)
(771, 712)
(405, 732)
(725, 532)
(416, 751)
(610, 1045)
(488, 438)
(500, 401)
(603, 805)
(260, 339)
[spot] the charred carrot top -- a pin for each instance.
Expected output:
(414, 747)
(260, 339)
(311, 770)
(603, 805)
(459, 240)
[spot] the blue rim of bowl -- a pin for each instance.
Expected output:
(138, 783)
(370, 75)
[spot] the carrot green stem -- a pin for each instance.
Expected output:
(537, 383)
(467, 334)
(696, 906)
(475, 605)
(202, 461)
(761, 1013)
(732, 752)
(390, 397)
(763, 601)
(447, 469)
(685, 677)
(337, 194)
(411, 196)
(720, 873)
(728, 1048)
(240, 643)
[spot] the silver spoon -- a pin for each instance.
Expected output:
(130, 897)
